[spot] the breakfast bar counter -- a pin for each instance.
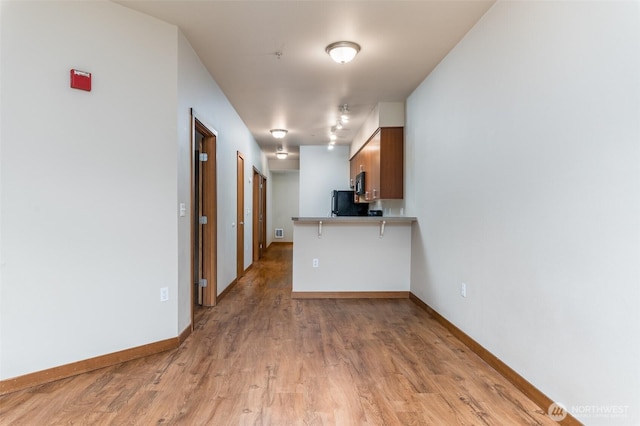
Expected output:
(351, 256)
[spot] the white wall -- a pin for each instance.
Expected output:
(197, 90)
(91, 182)
(88, 189)
(385, 114)
(321, 171)
(523, 152)
(286, 197)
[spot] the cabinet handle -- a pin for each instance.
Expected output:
(366, 195)
(350, 183)
(374, 193)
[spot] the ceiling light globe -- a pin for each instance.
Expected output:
(281, 155)
(343, 51)
(278, 133)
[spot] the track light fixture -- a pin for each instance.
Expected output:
(344, 113)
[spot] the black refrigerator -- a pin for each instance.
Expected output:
(343, 204)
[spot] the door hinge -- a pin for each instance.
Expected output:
(204, 156)
(202, 282)
(203, 220)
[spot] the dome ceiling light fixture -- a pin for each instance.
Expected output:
(343, 51)
(278, 133)
(281, 154)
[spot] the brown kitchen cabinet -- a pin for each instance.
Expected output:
(355, 169)
(382, 160)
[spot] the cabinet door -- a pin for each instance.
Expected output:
(391, 160)
(373, 173)
(357, 165)
(353, 164)
(382, 160)
(364, 165)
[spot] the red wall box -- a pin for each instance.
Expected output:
(81, 80)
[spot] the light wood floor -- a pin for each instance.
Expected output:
(261, 358)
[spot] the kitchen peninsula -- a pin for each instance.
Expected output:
(356, 256)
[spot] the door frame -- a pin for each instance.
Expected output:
(208, 205)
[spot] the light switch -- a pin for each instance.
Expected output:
(183, 209)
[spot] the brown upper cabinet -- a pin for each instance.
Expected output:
(382, 160)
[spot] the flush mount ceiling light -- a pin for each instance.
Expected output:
(343, 51)
(281, 154)
(278, 133)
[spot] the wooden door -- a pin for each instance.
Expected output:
(203, 215)
(197, 266)
(259, 214)
(256, 215)
(209, 226)
(240, 217)
(263, 215)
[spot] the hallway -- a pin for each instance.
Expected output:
(261, 358)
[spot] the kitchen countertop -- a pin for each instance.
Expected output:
(356, 219)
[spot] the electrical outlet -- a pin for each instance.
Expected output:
(164, 294)
(463, 290)
(316, 263)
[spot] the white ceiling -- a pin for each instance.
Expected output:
(302, 89)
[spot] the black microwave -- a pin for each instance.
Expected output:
(359, 184)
